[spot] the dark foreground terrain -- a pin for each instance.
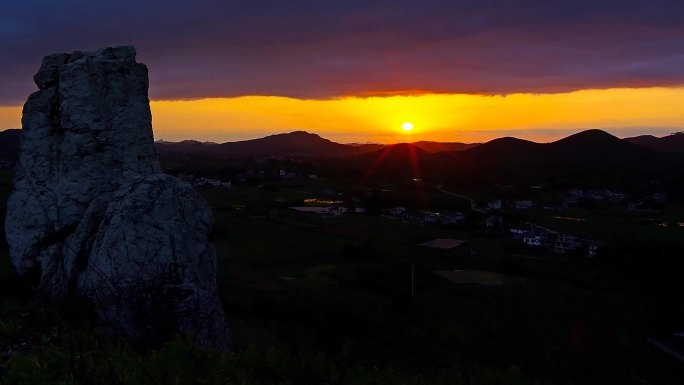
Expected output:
(323, 280)
(331, 299)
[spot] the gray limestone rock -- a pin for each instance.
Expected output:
(92, 211)
(150, 256)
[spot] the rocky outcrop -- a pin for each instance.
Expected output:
(92, 211)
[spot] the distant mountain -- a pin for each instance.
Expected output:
(399, 159)
(503, 148)
(184, 147)
(596, 145)
(642, 140)
(669, 143)
(298, 143)
(428, 146)
(585, 146)
(364, 148)
(398, 152)
(295, 144)
(444, 146)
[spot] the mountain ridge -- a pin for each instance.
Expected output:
(590, 143)
(669, 143)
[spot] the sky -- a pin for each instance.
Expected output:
(354, 71)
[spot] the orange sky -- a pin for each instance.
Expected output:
(447, 117)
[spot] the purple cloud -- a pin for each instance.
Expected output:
(322, 49)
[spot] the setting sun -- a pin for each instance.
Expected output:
(408, 126)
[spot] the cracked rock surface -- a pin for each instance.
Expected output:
(91, 210)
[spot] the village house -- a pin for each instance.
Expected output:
(659, 197)
(322, 202)
(538, 236)
(523, 204)
(615, 196)
(321, 211)
(566, 243)
(394, 213)
(493, 221)
(518, 233)
(428, 217)
(534, 241)
(592, 248)
(496, 204)
(442, 244)
(213, 182)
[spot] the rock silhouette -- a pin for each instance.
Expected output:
(92, 211)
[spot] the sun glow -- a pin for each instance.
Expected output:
(438, 117)
(407, 126)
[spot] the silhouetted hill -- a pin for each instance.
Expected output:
(298, 143)
(586, 146)
(503, 149)
(405, 159)
(295, 144)
(435, 147)
(9, 143)
(184, 147)
(642, 140)
(669, 143)
(596, 145)
(356, 149)
(590, 146)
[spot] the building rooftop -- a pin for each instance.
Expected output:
(444, 244)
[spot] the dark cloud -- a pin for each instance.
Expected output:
(321, 49)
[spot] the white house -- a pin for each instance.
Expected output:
(592, 249)
(518, 232)
(429, 217)
(615, 196)
(535, 241)
(566, 243)
(328, 210)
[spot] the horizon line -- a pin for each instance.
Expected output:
(571, 132)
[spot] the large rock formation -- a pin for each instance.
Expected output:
(91, 210)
